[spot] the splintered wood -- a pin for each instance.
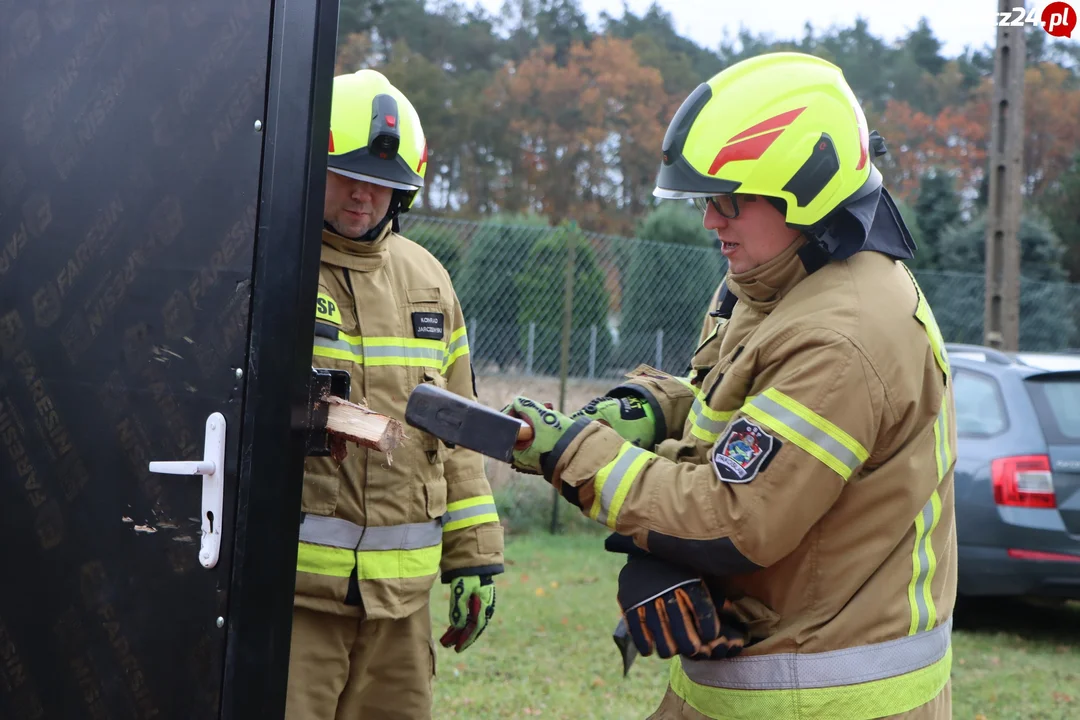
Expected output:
(349, 422)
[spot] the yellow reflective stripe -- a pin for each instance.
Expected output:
(337, 354)
(468, 522)
(469, 512)
(923, 557)
(324, 560)
(925, 316)
(457, 347)
(470, 502)
(924, 565)
(371, 565)
(383, 351)
(395, 564)
(613, 482)
(862, 701)
(706, 423)
(802, 426)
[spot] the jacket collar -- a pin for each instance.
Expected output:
(359, 255)
(766, 285)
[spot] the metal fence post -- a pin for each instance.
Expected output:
(592, 351)
(564, 361)
(529, 351)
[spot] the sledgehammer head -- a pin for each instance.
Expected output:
(459, 421)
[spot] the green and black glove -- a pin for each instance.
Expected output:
(472, 603)
(548, 428)
(630, 416)
(669, 610)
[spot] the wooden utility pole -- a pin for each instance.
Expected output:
(1001, 325)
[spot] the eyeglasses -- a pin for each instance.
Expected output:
(726, 204)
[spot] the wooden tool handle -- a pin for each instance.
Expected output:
(525, 433)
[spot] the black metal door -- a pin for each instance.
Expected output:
(153, 262)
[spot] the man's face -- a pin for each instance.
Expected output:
(753, 238)
(353, 207)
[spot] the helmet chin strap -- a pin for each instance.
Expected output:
(391, 216)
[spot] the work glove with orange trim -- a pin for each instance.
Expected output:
(472, 603)
(669, 611)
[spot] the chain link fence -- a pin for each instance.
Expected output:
(635, 301)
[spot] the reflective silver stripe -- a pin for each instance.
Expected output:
(461, 342)
(454, 516)
(404, 351)
(812, 433)
(615, 479)
(836, 668)
(929, 521)
(704, 422)
(342, 345)
(336, 532)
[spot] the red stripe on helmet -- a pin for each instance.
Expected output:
(423, 159)
(750, 149)
(777, 121)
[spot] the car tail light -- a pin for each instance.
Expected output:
(1044, 556)
(1023, 481)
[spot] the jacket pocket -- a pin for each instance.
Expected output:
(320, 494)
(435, 498)
(436, 450)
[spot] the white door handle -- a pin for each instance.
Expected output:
(212, 469)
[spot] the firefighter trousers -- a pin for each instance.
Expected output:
(343, 668)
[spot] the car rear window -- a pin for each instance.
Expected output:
(1057, 404)
(979, 408)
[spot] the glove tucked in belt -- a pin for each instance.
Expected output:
(669, 609)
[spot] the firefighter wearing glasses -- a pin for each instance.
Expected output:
(791, 498)
(376, 533)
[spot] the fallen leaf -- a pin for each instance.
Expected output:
(980, 716)
(524, 578)
(1062, 697)
(565, 620)
(540, 592)
(579, 628)
(554, 584)
(597, 682)
(962, 661)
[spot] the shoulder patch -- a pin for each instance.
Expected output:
(326, 308)
(743, 451)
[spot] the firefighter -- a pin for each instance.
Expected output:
(377, 529)
(789, 501)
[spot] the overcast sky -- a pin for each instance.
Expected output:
(955, 22)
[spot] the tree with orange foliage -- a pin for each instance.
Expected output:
(953, 141)
(587, 132)
(1051, 125)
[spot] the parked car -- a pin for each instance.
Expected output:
(1017, 473)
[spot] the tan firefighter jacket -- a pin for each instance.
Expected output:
(807, 472)
(379, 528)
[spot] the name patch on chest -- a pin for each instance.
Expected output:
(428, 325)
(743, 451)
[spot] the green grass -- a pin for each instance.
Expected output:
(548, 652)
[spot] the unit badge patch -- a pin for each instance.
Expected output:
(743, 451)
